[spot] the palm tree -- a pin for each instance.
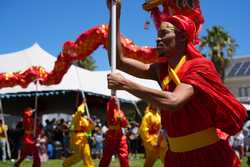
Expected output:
(87, 63)
(219, 46)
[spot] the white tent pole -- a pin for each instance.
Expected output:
(35, 108)
(86, 105)
(5, 132)
(82, 92)
(137, 108)
(36, 97)
(113, 41)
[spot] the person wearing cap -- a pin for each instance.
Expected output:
(115, 140)
(193, 100)
(29, 139)
(80, 125)
(153, 138)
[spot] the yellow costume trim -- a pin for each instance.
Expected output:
(81, 108)
(168, 26)
(172, 73)
(3, 128)
(193, 141)
(115, 127)
(150, 4)
(28, 132)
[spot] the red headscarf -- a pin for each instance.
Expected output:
(27, 112)
(185, 24)
(28, 121)
(190, 9)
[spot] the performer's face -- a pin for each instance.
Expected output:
(166, 38)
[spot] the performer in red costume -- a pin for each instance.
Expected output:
(193, 100)
(29, 139)
(189, 8)
(115, 140)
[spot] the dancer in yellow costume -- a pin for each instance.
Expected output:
(80, 126)
(154, 140)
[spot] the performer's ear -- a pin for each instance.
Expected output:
(182, 36)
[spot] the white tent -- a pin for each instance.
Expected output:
(247, 106)
(91, 81)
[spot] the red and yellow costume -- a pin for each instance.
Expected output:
(79, 143)
(153, 140)
(115, 140)
(192, 129)
(29, 140)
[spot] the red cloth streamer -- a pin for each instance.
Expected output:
(84, 46)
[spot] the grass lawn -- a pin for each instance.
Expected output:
(57, 163)
(115, 163)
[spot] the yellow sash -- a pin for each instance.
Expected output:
(172, 73)
(28, 132)
(152, 4)
(193, 141)
(115, 127)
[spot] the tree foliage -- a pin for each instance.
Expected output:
(219, 46)
(88, 63)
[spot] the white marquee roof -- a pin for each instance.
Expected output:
(91, 81)
(247, 106)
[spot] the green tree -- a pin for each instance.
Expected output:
(219, 46)
(88, 63)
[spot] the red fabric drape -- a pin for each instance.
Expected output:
(212, 106)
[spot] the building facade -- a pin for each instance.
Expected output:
(238, 78)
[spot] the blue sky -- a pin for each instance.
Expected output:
(52, 22)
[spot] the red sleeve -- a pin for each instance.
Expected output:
(229, 113)
(110, 111)
(27, 123)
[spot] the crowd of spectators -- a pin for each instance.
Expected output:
(241, 141)
(53, 141)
